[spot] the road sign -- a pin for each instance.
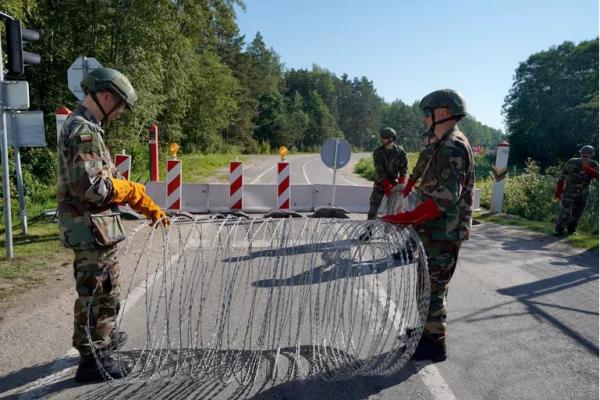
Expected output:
(14, 95)
(335, 158)
(25, 129)
(79, 70)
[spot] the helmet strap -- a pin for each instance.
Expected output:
(104, 114)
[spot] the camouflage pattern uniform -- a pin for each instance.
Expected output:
(422, 162)
(449, 181)
(90, 226)
(575, 194)
(389, 164)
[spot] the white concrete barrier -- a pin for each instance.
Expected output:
(214, 197)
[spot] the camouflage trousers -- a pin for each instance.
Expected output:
(442, 257)
(97, 283)
(375, 201)
(571, 209)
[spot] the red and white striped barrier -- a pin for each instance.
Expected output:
(174, 184)
(283, 186)
(235, 185)
(123, 164)
(153, 141)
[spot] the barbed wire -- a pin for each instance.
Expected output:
(242, 300)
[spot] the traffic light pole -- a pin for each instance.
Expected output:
(5, 174)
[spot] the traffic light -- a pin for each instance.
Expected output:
(15, 37)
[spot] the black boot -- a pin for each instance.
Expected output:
(430, 349)
(90, 371)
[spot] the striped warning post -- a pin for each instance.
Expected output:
(283, 186)
(123, 164)
(174, 184)
(235, 185)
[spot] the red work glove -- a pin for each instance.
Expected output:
(387, 186)
(588, 169)
(424, 212)
(402, 179)
(560, 185)
(408, 187)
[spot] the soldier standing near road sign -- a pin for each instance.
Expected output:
(443, 216)
(88, 191)
(391, 167)
(572, 189)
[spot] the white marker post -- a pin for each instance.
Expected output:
(61, 116)
(499, 171)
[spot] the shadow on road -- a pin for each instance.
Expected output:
(209, 383)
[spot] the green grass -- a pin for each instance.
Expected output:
(365, 168)
(581, 239)
(35, 257)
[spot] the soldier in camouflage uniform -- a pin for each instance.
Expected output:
(422, 164)
(391, 166)
(443, 215)
(572, 189)
(89, 190)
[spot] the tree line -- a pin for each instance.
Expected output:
(552, 108)
(205, 86)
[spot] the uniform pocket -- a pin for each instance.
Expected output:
(107, 229)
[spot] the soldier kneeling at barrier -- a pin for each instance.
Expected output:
(89, 188)
(572, 190)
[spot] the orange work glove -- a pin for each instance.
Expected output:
(135, 195)
(588, 169)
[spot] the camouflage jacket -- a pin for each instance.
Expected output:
(86, 219)
(389, 164)
(449, 181)
(577, 181)
(422, 162)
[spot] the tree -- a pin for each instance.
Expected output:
(552, 107)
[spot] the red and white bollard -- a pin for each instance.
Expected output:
(283, 186)
(154, 172)
(61, 116)
(235, 185)
(174, 184)
(123, 164)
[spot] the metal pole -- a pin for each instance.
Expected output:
(22, 205)
(334, 172)
(5, 174)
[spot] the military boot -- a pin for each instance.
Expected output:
(430, 349)
(90, 371)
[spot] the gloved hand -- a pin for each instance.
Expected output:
(387, 186)
(424, 212)
(408, 187)
(402, 179)
(588, 169)
(560, 185)
(135, 195)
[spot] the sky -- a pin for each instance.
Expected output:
(409, 48)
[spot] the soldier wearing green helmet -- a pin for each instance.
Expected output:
(442, 217)
(391, 165)
(89, 189)
(572, 190)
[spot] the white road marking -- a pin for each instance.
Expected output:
(304, 169)
(261, 175)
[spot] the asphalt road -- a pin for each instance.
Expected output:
(523, 323)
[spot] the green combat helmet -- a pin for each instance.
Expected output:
(445, 98)
(587, 150)
(101, 79)
(386, 133)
